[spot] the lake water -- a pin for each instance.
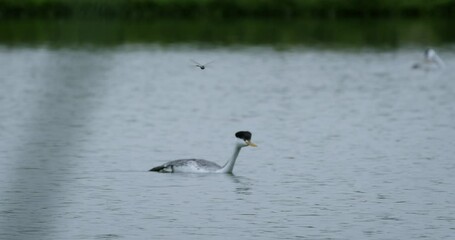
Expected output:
(353, 143)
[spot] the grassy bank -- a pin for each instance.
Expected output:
(143, 9)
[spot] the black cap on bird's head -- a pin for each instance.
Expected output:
(245, 136)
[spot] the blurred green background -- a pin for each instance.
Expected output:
(335, 23)
(225, 8)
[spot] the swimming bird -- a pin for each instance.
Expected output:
(201, 66)
(204, 166)
(431, 60)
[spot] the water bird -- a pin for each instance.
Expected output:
(431, 60)
(243, 139)
(201, 66)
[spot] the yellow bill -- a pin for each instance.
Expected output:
(250, 144)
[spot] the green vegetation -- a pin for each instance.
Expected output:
(221, 9)
(227, 22)
(281, 34)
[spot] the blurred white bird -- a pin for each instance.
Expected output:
(431, 60)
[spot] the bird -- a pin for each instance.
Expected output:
(201, 66)
(431, 60)
(243, 139)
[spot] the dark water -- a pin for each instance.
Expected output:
(353, 144)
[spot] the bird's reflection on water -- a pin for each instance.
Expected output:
(243, 185)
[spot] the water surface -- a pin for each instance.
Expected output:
(353, 144)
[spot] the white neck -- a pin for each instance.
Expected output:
(229, 166)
